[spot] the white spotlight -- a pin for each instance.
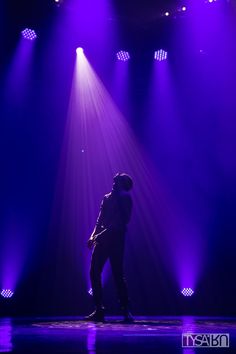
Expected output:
(79, 50)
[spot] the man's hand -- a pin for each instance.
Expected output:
(91, 242)
(95, 238)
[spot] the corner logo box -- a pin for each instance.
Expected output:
(205, 340)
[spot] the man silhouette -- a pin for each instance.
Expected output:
(108, 241)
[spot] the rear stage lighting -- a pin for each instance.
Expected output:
(160, 55)
(122, 55)
(187, 292)
(29, 34)
(7, 293)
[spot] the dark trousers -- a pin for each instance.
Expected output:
(111, 248)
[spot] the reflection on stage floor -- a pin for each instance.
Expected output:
(146, 335)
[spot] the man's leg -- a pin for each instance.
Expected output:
(116, 257)
(99, 257)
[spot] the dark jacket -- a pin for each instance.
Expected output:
(115, 212)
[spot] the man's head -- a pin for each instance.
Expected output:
(122, 181)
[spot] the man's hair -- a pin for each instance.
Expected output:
(125, 181)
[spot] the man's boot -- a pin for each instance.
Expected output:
(128, 318)
(96, 316)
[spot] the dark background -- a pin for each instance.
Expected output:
(31, 138)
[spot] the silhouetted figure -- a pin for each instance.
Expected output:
(108, 240)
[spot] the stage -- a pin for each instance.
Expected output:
(146, 335)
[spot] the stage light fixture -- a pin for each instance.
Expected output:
(167, 13)
(183, 8)
(29, 34)
(90, 292)
(7, 293)
(79, 50)
(187, 292)
(160, 55)
(122, 55)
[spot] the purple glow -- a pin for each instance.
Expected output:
(122, 55)
(95, 108)
(14, 251)
(184, 251)
(29, 34)
(160, 55)
(6, 336)
(91, 340)
(7, 293)
(187, 292)
(77, 12)
(19, 73)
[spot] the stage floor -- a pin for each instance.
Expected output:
(159, 335)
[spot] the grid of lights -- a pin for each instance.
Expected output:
(160, 55)
(187, 292)
(122, 55)
(6, 293)
(29, 34)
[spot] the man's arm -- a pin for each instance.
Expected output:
(98, 226)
